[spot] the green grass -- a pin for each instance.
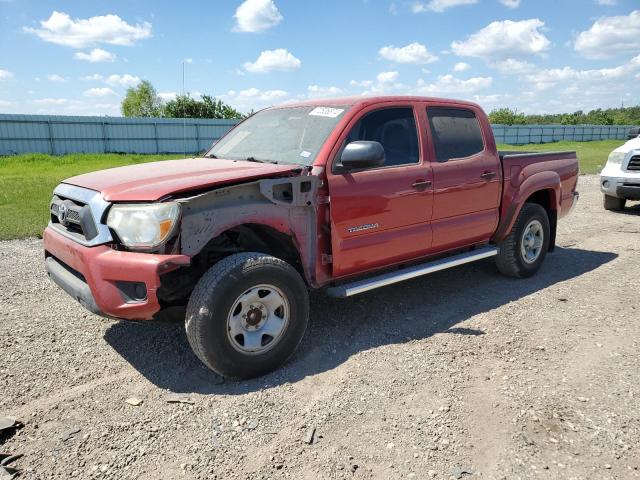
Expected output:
(592, 155)
(27, 183)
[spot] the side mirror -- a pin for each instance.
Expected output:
(362, 154)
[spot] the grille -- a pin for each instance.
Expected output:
(77, 213)
(72, 216)
(634, 163)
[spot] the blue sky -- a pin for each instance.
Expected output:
(78, 56)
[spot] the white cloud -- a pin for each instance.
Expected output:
(413, 53)
(54, 77)
(166, 96)
(60, 28)
(5, 103)
(94, 77)
(256, 16)
(65, 106)
(461, 67)
(50, 101)
(316, 91)
(569, 89)
(489, 102)
(361, 83)
(439, 5)
(610, 36)
(386, 83)
(503, 40)
(125, 80)
(448, 84)
(545, 79)
(609, 3)
(511, 66)
(510, 3)
(387, 77)
(253, 98)
(5, 75)
(92, 108)
(96, 55)
(270, 60)
(98, 92)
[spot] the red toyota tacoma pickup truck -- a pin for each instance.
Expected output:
(346, 195)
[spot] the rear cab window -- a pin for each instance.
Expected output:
(455, 133)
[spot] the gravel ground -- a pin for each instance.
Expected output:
(462, 374)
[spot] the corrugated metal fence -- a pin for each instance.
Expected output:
(523, 134)
(58, 135)
(64, 134)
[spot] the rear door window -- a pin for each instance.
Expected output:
(455, 132)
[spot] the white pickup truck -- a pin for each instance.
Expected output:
(620, 177)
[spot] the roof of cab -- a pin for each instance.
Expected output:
(362, 101)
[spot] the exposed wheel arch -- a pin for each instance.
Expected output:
(247, 237)
(256, 237)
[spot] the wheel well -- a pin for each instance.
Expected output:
(176, 286)
(544, 198)
(253, 237)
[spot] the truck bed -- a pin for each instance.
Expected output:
(527, 172)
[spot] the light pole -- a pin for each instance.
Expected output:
(184, 117)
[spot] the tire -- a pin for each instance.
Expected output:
(212, 327)
(511, 259)
(613, 203)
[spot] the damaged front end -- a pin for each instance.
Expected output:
(276, 216)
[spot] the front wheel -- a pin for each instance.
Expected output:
(613, 203)
(247, 315)
(521, 254)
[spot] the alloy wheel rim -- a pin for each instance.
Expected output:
(532, 241)
(258, 319)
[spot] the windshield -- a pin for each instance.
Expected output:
(284, 135)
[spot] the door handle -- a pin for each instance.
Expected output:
(421, 184)
(488, 175)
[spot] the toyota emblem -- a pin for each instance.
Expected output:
(62, 213)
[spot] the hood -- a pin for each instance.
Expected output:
(633, 144)
(155, 180)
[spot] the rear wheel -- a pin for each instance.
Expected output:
(521, 254)
(247, 315)
(613, 203)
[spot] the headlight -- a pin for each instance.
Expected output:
(143, 226)
(616, 157)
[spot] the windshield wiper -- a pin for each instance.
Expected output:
(212, 155)
(254, 159)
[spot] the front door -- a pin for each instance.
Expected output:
(380, 216)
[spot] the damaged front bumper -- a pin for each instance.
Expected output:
(108, 282)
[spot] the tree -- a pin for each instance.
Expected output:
(142, 101)
(184, 106)
(506, 116)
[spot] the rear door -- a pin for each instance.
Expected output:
(380, 216)
(466, 177)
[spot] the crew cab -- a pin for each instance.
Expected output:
(620, 177)
(344, 195)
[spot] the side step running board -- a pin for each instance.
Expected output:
(360, 286)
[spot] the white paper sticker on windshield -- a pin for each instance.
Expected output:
(326, 112)
(232, 142)
(305, 154)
